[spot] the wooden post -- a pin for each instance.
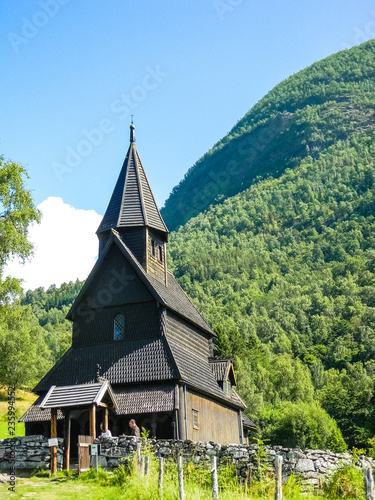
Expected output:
(147, 464)
(105, 419)
(369, 484)
(139, 457)
(181, 412)
(180, 478)
(53, 435)
(67, 425)
(279, 477)
(161, 470)
(92, 422)
(214, 480)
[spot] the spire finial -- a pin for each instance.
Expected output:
(132, 134)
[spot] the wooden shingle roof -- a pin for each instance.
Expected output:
(132, 203)
(223, 370)
(172, 296)
(197, 373)
(133, 361)
(78, 395)
(151, 399)
(37, 414)
(130, 401)
(248, 423)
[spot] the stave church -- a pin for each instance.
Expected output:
(140, 348)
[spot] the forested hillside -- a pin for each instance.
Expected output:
(50, 308)
(286, 268)
(283, 262)
(300, 118)
(286, 271)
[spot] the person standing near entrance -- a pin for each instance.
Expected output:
(134, 429)
(105, 433)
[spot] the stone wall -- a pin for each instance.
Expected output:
(31, 452)
(311, 465)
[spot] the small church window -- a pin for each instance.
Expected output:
(153, 248)
(118, 327)
(160, 252)
(195, 419)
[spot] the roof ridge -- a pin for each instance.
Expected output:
(132, 203)
(127, 159)
(137, 161)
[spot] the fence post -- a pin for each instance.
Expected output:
(147, 463)
(214, 481)
(369, 484)
(180, 478)
(160, 480)
(279, 477)
(139, 457)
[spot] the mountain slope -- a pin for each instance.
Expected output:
(300, 117)
(286, 270)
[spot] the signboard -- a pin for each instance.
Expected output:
(53, 442)
(94, 449)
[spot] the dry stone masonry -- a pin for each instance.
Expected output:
(32, 452)
(313, 466)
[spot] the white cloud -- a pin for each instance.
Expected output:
(65, 246)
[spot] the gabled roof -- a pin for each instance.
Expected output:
(223, 370)
(78, 395)
(150, 399)
(196, 372)
(37, 414)
(131, 400)
(126, 362)
(172, 296)
(248, 423)
(132, 203)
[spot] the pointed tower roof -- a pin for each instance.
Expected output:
(132, 203)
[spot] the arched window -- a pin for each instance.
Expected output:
(118, 327)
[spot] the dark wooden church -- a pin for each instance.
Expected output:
(140, 348)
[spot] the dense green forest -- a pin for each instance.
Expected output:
(50, 307)
(280, 256)
(301, 117)
(285, 269)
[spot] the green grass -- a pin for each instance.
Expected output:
(24, 400)
(20, 430)
(134, 488)
(127, 485)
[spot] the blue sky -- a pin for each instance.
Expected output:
(67, 65)
(73, 71)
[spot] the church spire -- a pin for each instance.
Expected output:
(132, 210)
(132, 133)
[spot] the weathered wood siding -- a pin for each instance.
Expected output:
(154, 266)
(181, 332)
(117, 289)
(216, 422)
(115, 283)
(135, 240)
(141, 321)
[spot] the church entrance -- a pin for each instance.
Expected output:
(156, 425)
(75, 431)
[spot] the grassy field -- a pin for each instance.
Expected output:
(23, 401)
(99, 487)
(128, 485)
